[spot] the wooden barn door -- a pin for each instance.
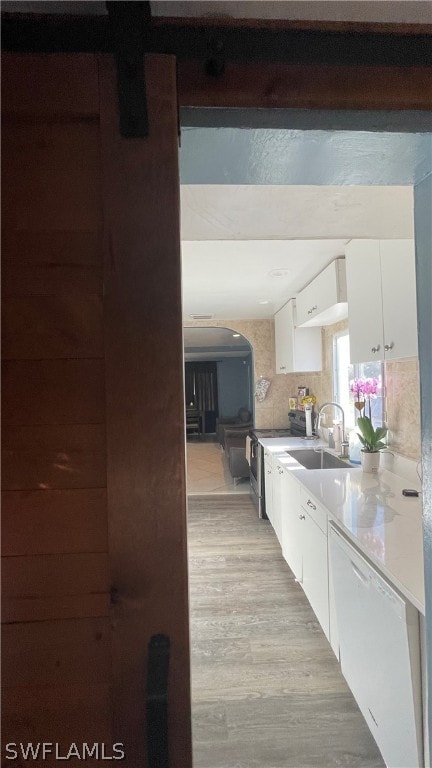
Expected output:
(93, 539)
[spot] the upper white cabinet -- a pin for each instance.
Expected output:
(381, 299)
(297, 349)
(324, 300)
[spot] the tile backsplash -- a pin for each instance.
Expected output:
(402, 382)
(401, 379)
(260, 334)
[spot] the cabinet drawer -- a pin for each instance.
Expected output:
(317, 512)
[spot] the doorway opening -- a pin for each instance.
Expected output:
(219, 408)
(261, 232)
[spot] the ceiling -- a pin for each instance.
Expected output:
(214, 344)
(263, 211)
(284, 212)
(247, 249)
(245, 279)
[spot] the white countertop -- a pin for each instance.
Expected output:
(371, 511)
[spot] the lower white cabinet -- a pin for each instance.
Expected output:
(292, 528)
(315, 570)
(268, 485)
(304, 545)
(277, 475)
(363, 616)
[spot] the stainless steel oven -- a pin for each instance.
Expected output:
(256, 467)
(256, 456)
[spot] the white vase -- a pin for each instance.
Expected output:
(370, 461)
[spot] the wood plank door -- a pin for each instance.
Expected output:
(93, 539)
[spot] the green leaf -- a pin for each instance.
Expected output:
(366, 428)
(379, 446)
(380, 432)
(370, 437)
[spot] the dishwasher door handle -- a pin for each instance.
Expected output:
(364, 579)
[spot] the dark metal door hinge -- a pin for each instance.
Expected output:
(129, 23)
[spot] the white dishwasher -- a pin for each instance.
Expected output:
(379, 652)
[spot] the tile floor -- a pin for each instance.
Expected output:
(207, 471)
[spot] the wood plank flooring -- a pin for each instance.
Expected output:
(267, 691)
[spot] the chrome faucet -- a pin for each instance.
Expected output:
(344, 443)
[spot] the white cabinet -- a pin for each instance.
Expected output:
(268, 485)
(315, 570)
(304, 545)
(292, 528)
(324, 300)
(398, 286)
(277, 474)
(382, 307)
(297, 349)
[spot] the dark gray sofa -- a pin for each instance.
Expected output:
(241, 423)
(235, 452)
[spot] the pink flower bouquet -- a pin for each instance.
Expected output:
(366, 389)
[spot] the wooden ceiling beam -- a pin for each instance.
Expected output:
(234, 40)
(237, 63)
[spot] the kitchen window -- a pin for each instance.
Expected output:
(344, 372)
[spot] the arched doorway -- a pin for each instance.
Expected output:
(218, 374)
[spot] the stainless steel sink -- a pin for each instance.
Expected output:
(313, 458)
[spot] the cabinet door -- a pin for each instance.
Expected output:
(315, 570)
(268, 485)
(305, 304)
(284, 338)
(316, 304)
(399, 298)
(277, 473)
(307, 349)
(297, 349)
(291, 525)
(365, 320)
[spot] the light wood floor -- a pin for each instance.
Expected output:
(267, 691)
